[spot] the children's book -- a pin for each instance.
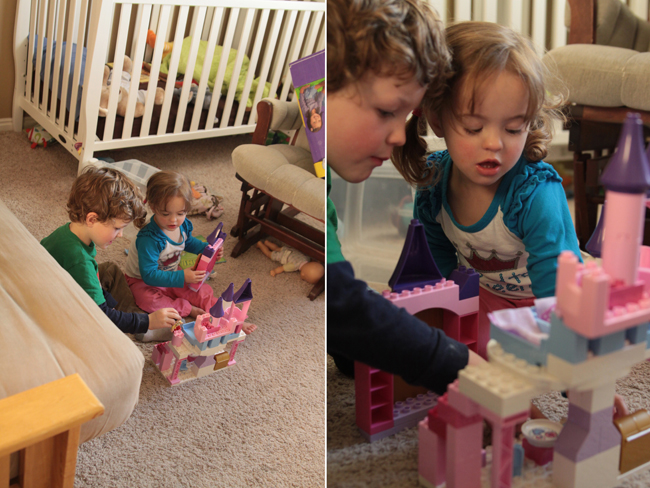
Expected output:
(308, 76)
(188, 259)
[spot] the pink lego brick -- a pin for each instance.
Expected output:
(432, 456)
(373, 399)
(233, 350)
(460, 402)
(453, 417)
(436, 424)
(443, 294)
(541, 456)
(206, 263)
(463, 467)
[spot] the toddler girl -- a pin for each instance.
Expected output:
(152, 266)
(488, 201)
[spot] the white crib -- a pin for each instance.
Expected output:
(62, 46)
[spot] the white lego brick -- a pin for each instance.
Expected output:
(536, 375)
(598, 470)
(597, 370)
(495, 388)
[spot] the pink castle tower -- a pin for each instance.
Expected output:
(626, 180)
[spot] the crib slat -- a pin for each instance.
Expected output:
(538, 25)
(252, 67)
(279, 66)
(31, 50)
(234, 80)
(136, 70)
(266, 65)
(490, 10)
(221, 70)
(215, 31)
(310, 45)
(181, 22)
(39, 54)
(48, 59)
(57, 118)
(71, 27)
(198, 19)
(440, 6)
(154, 26)
(207, 25)
(462, 10)
(118, 66)
(558, 30)
(156, 59)
(295, 53)
(215, 23)
(76, 80)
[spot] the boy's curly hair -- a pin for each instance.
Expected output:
(480, 50)
(401, 38)
(164, 185)
(108, 193)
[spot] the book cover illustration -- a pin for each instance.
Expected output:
(308, 75)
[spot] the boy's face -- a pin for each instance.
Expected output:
(366, 120)
(104, 233)
(173, 215)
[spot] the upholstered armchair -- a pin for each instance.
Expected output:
(606, 67)
(281, 195)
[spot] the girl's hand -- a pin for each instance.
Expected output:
(163, 318)
(193, 276)
(219, 254)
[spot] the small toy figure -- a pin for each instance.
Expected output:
(292, 260)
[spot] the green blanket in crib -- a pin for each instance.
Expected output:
(230, 67)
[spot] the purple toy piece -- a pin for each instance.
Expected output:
(228, 294)
(624, 174)
(245, 293)
(416, 267)
(467, 280)
(216, 234)
(217, 309)
(595, 243)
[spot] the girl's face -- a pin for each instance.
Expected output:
(173, 215)
(486, 144)
(366, 120)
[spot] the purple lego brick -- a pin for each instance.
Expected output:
(595, 243)
(467, 280)
(228, 294)
(217, 309)
(628, 171)
(416, 267)
(215, 234)
(245, 293)
(584, 435)
(203, 361)
(208, 252)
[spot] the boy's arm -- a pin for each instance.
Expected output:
(130, 323)
(86, 276)
(148, 253)
(364, 326)
(547, 230)
(442, 250)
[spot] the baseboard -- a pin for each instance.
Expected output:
(6, 124)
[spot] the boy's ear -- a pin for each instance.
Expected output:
(91, 218)
(434, 122)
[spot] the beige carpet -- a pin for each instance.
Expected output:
(259, 423)
(393, 461)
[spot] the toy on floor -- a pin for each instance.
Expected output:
(204, 203)
(417, 286)
(39, 136)
(199, 348)
(595, 332)
(292, 260)
(206, 260)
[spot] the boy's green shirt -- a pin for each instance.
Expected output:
(334, 254)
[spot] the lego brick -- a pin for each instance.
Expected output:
(635, 442)
(609, 343)
(638, 334)
(463, 466)
(496, 389)
(599, 470)
(621, 295)
(539, 455)
(467, 280)
(431, 455)
(566, 343)
(373, 399)
(586, 435)
(444, 294)
(518, 459)
(520, 347)
(597, 370)
(436, 424)
(451, 416)
(460, 402)
(203, 361)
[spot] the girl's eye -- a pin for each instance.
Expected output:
(514, 131)
(473, 131)
(384, 113)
